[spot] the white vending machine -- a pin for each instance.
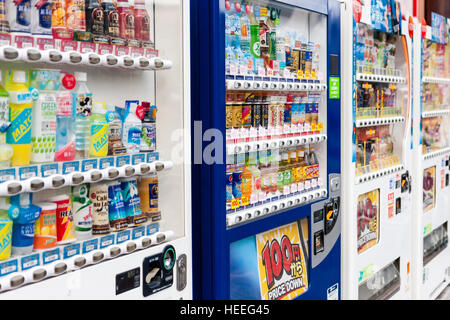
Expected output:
(95, 150)
(377, 150)
(431, 193)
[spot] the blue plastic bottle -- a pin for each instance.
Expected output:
(24, 214)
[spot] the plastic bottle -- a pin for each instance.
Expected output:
(43, 84)
(4, 24)
(255, 48)
(126, 20)
(111, 22)
(98, 146)
(65, 138)
(256, 176)
(132, 129)
(6, 151)
(82, 105)
(24, 214)
(76, 15)
(142, 21)
(60, 30)
(41, 17)
(82, 211)
(229, 180)
(247, 179)
(19, 15)
(95, 18)
(118, 219)
(115, 145)
(20, 116)
(130, 194)
(148, 138)
(6, 225)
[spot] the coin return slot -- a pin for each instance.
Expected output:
(17, 281)
(39, 274)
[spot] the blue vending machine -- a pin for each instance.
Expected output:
(266, 158)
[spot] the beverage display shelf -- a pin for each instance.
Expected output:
(370, 122)
(250, 83)
(435, 113)
(435, 154)
(380, 78)
(378, 174)
(33, 179)
(35, 267)
(436, 80)
(269, 144)
(57, 57)
(290, 201)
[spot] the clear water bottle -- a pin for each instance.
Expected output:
(82, 106)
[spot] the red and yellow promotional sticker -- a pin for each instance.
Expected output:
(282, 265)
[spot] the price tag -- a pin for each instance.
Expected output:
(90, 245)
(262, 132)
(152, 228)
(7, 175)
(29, 262)
(269, 72)
(287, 129)
(287, 73)
(243, 70)
(253, 199)
(123, 236)
(307, 185)
(301, 128)
(301, 186)
(87, 165)
(261, 72)
(152, 157)
(49, 169)
(50, 256)
(233, 69)
(294, 188)
(106, 163)
(278, 130)
(69, 167)
(28, 172)
(71, 250)
(262, 196)
(307, 127)
(286, 190)
(138, 232)
(320, 182)
(234, 204)
(137, 159)
(122, 160)
(294, 129)
(234, 134)
(8, 267)
(270, 131)
(253, 132)
(106, 241)
(244, 133)
(245, 201)
(314, 183)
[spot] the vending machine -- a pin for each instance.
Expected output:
(431, 254)
(377, 151)
(266, 124)
(95, 149)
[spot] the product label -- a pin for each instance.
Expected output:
(44, 132)
(99, 199)
(64, 221)
(45, 237)
(82, 209)
(99, 140)
(117, 215)
(4, 114)
(148, 138)
(45, 13)
(20, 130)
(23, 235)
(132, 202)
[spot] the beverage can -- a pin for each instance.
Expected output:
(148, 139)
(65, 231)
(237, 116)
(45, 234)
(246, 116)
(82, 211)
(6, 226)
(132, 202)
(118, 219)
(100, 210)
(148, 194)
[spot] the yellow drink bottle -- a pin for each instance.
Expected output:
(5, 231)
(20, 116)
(98, 146)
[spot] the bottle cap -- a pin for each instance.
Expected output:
(19, 76)
(81, 76)
(146, 106)
(99, 108)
